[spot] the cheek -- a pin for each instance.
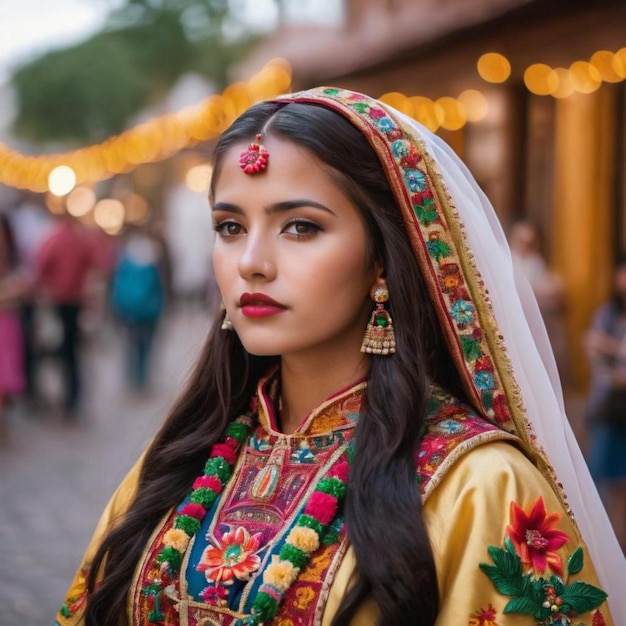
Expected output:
(337, 273)
(223, 265)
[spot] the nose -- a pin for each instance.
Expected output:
(257, 258)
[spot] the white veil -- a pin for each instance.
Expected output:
(531, 356)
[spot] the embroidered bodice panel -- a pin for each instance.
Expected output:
(275, 475)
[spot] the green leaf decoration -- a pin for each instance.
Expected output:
(471, 348)
(527, 606)
(361, 107)
(508, 544)
(581, 597)
(426, 213)
(575, 561)
(506, 574)
(438, 249)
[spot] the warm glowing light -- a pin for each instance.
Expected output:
(494, 67)
(427, 112)
(80, 201)
(584, 76)
(109, 215)
(398, 101)
(541, 79)
(475, 104)
(454, 116)
(619, 63)
(61, 180)
(54, 204)
(136, 208)
(198, 178)
(603, 60)
(565, 88)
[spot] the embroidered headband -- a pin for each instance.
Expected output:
(254, 159)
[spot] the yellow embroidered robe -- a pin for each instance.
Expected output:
(478, 489)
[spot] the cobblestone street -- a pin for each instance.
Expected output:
(55, 477)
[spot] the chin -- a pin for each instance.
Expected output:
(260, 348)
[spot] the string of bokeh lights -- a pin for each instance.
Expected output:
(69, 178)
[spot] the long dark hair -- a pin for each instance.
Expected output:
(383, 515)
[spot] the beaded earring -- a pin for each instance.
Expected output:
(379, 335)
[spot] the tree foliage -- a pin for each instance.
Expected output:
(89, 91)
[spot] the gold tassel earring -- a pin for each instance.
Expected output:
(379, 335)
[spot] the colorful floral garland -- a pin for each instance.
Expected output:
(206, 488)
(312, 526)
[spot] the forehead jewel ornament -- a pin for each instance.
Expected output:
(254, 158)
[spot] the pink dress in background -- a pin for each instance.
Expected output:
(11, 354)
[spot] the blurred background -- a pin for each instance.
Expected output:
(109, 110)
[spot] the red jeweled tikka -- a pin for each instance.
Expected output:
(254, 159)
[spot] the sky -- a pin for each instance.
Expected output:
(29, 28)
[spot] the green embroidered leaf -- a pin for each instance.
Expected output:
(575, 561)
(438, 249)
(426, 213)
(471, 348)
(533, 588)
(581, 597)
(527, 606)
(506, 574)
(508, 544)
(361, 107)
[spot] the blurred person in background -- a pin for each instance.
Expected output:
(31, 225)
(14, 288)
(138, 299)
(65, 263)
(371, 434)
(528, 258)
(605, 343)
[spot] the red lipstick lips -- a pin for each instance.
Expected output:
(259, 305)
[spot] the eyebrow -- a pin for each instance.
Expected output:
(277, 207)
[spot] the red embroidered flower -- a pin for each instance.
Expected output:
(484, 617)
(376, 113)
(535, 537)
(215, 595)
(234, 558)
(410, 161)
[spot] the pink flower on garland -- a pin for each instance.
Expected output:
(536, 538)
(233, 558)
(229, 453)
(322, 507)
(193, 510)
(208, 482)
(340, 470)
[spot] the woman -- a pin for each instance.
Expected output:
(606, 407)
(386, 471)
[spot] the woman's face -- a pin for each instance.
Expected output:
(290, 256)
